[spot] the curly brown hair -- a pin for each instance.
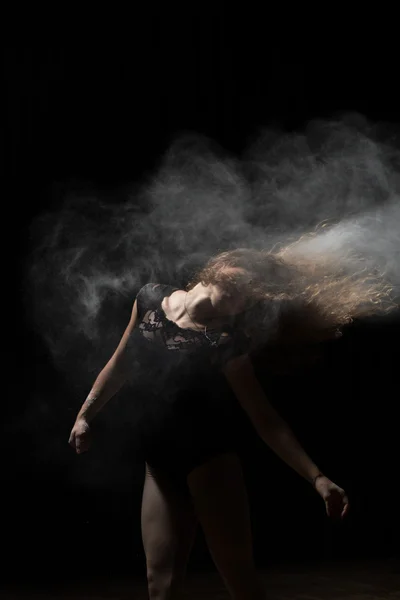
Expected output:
(270, 275)
(320, 288)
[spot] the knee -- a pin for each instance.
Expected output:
(241, 577)
(162, 582)
(158, 585)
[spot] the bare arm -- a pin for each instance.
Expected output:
(270, 426)
(111, 378)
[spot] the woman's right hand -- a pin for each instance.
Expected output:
(80, 438)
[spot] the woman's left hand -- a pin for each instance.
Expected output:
(336, 501)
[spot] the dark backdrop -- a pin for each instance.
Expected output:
(103, 111)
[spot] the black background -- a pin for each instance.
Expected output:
(93, 109)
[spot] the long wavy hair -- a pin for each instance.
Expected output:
(300, 296)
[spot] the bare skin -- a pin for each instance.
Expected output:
(169, 515)
(209, 306)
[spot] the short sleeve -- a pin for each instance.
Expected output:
(146, 298)
(140, 301)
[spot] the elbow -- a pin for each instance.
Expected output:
(265, 429)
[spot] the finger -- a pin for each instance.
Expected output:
(85, 441)
(345, 510)
(345, 500)
(84, 444)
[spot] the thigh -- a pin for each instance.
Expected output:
(168, 521)
(221, 503)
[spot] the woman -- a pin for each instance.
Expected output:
(191, 346)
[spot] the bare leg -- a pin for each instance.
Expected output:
(168, 531)
(221, 504)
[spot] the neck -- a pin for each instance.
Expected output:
(200, 303)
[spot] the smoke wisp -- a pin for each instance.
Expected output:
(339, 180)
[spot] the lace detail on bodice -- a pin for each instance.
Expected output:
(154, 326)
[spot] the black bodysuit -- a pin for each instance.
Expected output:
(187, 413)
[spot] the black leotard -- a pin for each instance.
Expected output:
(187, 412)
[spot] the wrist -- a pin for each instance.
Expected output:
(89, 408)
(82, 418)
(315, 478)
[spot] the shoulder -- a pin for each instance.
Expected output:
(148, 288)
(154, 292)
(146, 298)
